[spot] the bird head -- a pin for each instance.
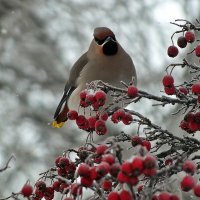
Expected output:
(104, 39)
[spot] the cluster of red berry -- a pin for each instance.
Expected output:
(42, 191)
(182, 42)
(95, 100)
(170, 89)
(191, 121)
(100, 167)
(97, 123)
(188, 182)
(168, 83)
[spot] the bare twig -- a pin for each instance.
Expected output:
(7, 163)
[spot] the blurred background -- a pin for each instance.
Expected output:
(39, 42)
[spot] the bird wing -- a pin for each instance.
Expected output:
(62, 109)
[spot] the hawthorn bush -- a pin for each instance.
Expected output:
(101, 170)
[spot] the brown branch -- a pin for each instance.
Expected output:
(7, 163)
(163, 99)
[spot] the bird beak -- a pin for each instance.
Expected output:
(108, 39)
(110, 46)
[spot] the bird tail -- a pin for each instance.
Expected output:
(61, 118)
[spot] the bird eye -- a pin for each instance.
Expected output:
(99, 42)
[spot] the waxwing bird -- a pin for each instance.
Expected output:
(105, 60)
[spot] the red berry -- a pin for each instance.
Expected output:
(102, 169)
(40, 185)
(146, 144)
(83, 104)
(125, 195)
(196, 88)
(56, 185)
(174, 197)
(63, 162)
(137, 166)
(104, 116)
(101, 149)
(71, 168)
(164, 196)
(80, 121)
(140, 188)
(114, 118)
(86, 182)
(183, 90)
(84, 125)
(92, 121)
(189, 167)
(182, 42)
(49, 193)
(57, 161)
(39, 193)
(64, 188)
(109, 158)
(132, 91)
(100, 127)
(114, 169)
(120, 114)
(95, 106)
(106, 185)
(168, 161)
(197, 190)
(170, 90)
(127, 119)
(90, 99)
(187, 183)
(154, 197)
(149, 162)
(150, 165)
(72, 115)
(189, 36)
(83, 95)
(113, 196)
(27, 190)
(189, 117)
(133, 180)
(197, 50)
(123, 178)
(184, 125)
(136, 140)
(61, 171)
(172, 51)
(76, 189)
(150, 172)
(100, 97)
(197, 117)
(126, 168)
(84, 170)
(193, 126)
(93, 173)
(168, 80)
